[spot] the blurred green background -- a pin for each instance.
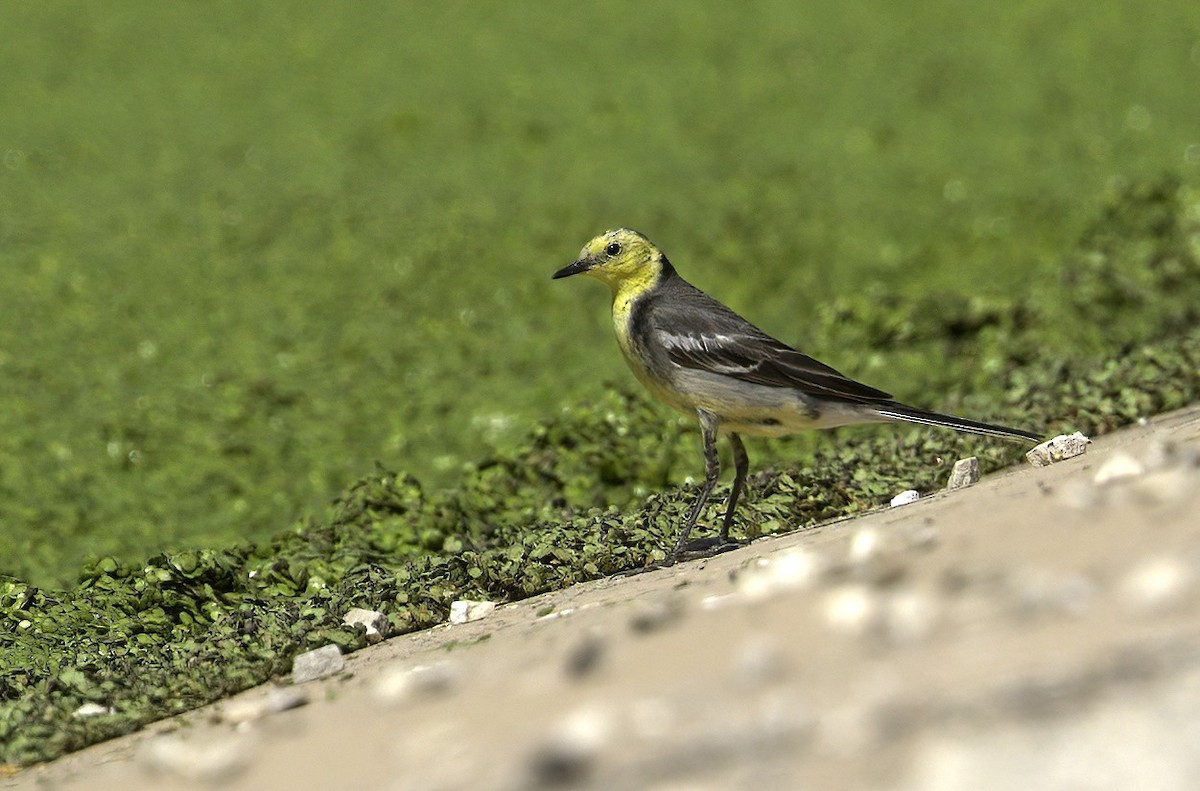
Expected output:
(246, 251)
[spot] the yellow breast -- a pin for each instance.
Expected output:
(660, 388)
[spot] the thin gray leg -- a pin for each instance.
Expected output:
(741, 465)
(712, 468)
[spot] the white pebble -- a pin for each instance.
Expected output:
(851, 609)
(215, 761)
(465, 610)
(864, 545)
(1117, 467)
(964, 474)
(250, 709)
(788, 570)
(719, 601)
(797, 567)
(373, 621)
(905, 497)
(875, 556)
(318, 663)
(655, 615)
(1156, 584)
(567, 753)
(1064, 446)
(90, 710)
(409, 682)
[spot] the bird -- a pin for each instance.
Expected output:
(706, 361)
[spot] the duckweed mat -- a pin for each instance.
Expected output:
(246, 250)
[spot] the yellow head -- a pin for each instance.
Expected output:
(626, 260)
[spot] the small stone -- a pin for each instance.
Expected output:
(1156, 584)
(656, 615)
(90, 710)
(214, 761)
(875, 557)
(1118, 466)
(864, 545)
(1056, 449)
(586, 655)
(905, 497)
(565, 612)
(372, 621)
(964, 474)
(851, 609)
(465, 610)
(791, 569)
(569, 752)
(718, 601)
(410, 682)
(318, 663)
(250, 709)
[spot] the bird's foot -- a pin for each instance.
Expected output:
(689, 550)
(702, 548)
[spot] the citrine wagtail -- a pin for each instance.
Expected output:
(706, 361)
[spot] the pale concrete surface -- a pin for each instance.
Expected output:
(1036, 630)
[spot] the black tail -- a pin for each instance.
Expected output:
(910, 414)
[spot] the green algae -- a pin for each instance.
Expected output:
(247, 250)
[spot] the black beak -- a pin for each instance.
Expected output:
(582, 265)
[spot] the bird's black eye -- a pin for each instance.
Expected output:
(613, 249)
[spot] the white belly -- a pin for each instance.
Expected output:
(748, 408)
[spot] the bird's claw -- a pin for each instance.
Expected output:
(702, 548)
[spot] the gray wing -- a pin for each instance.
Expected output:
(700, 333)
